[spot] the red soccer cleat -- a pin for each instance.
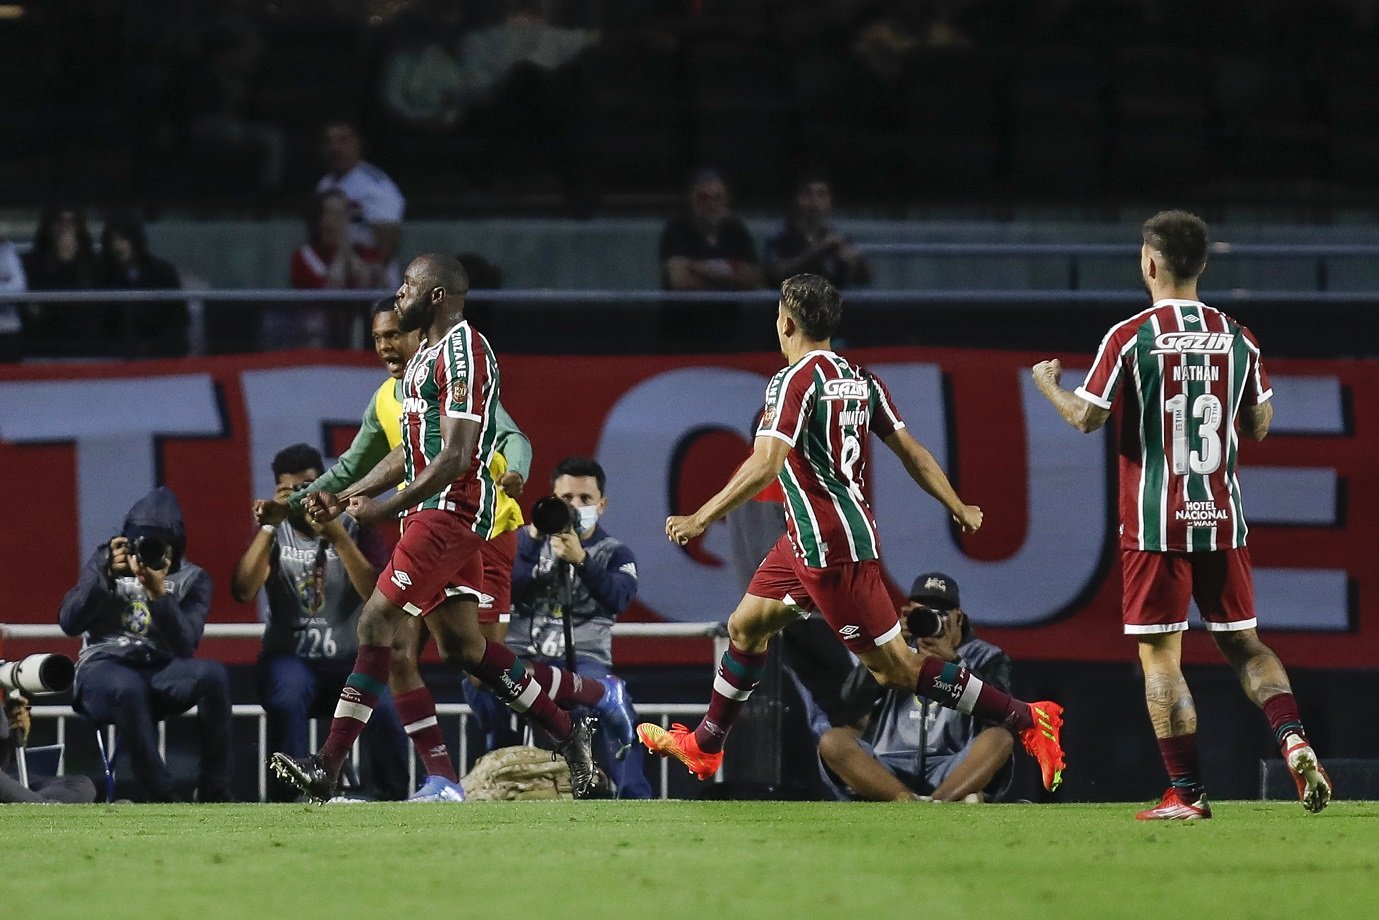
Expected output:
(1044, 742)
(1176, 808)
(679, 743)
(1314, 786)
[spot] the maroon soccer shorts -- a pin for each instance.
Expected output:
(437, 557)
(495, 606)
(852, 597)
(1158, 586)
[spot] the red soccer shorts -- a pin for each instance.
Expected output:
(439, 556)
(852, 597)
(495, 606)
(1158, 586)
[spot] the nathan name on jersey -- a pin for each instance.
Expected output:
(456, 377)
(823, 406)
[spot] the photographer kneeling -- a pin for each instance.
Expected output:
(143, 608)
(14, 734)
(910, 748)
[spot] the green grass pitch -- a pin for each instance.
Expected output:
(703, 860)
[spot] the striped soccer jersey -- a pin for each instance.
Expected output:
(1187, 370)
(823, 406)
(457, 377)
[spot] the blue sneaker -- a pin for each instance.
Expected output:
(438, 789)
(616, 714)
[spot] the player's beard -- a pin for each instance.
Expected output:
(414, 316)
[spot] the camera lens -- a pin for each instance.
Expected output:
(552, 515)
(152, 551)
(925, 623)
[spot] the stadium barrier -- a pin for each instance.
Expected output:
(662, 712)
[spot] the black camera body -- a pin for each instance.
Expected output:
(926, 622)
(153, 552)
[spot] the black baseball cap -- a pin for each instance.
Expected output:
(937, 590)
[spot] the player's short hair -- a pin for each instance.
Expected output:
(581, 466)
(447, 272)
(383, 305)
(297, 458)
(815, 304)
(1182, 239)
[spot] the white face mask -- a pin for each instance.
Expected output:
(588, 516)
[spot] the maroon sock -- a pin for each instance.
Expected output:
(1180, 759)
(1282, 712)
(501, 672)
(739, 673)
(357, 700)
(566, 687)
(417, 711)
(952, 685)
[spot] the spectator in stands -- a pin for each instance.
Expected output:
(11, 279)
(316, 580)
(590, 576)
(708, 249)
(157, 327)
(907, 748)
(142, 608)
(376, 204)
(63, 258)
(808, 244)
(14, 734)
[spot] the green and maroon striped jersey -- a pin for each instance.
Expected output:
(823, 406)
(458, 377)
(1185, 370)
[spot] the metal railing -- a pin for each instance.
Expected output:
(663, 712)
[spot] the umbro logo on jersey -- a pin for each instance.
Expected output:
(849, 631)
(402, 579)
(1193, 343)
(846, 389)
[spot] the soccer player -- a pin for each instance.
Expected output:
(811, 438)
(1190, 376)
(436, 570)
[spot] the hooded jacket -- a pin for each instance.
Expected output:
(117, 616)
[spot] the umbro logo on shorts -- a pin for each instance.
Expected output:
(849, 631)
(402, 579)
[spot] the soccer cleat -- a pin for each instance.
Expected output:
(578, 751)
(1174, 807)
(1043, 741)
(1314, 786)
(308, 775)
(679, 743)
(616, 714)
(438, 789)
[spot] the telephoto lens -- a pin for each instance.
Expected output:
(925, 623)
(552, 515)
(37, 674)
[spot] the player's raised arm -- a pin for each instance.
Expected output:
(764, 465)
(1077, 411)
(930, 477)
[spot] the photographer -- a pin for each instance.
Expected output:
(142, 608)
(584, 573)
(910, 748)
(316, 580)
(14, 735)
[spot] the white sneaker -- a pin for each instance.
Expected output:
(438, 789)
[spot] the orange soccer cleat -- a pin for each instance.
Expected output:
(1174, 807)
(1043, 741)
(679, 743)
(1314, 786)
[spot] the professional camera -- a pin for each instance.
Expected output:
(552, 515)
(925, 622)
(37, 674)
(152, 551)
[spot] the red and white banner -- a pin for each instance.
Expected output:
(79, 444)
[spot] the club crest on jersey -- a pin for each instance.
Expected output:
(1192, 343)
(419, 376)
(461, 391)
(846, 389)
(768, 415)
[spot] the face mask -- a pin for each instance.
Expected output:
(588, 516)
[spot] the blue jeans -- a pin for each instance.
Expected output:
(294, 690)
(133, 697)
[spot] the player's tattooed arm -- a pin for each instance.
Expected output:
(930, 477)
(1076, 411)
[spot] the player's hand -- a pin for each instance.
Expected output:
(969, 518)
(323, 506)
(566, 546)
(364, 510)
(683, 528)
(1048, 374)
(512, 483)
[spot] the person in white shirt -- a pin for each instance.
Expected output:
(376, 203)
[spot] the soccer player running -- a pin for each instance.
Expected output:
(436, 571)
(1186, 375)
(812, 436)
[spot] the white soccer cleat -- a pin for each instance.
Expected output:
(1314, 786)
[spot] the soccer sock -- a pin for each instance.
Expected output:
(357, 700)
(566, 687)
(739, 673)
(1180, 759)
(1282, 712)
(417, 710)
(952, 685)
(501, 672)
